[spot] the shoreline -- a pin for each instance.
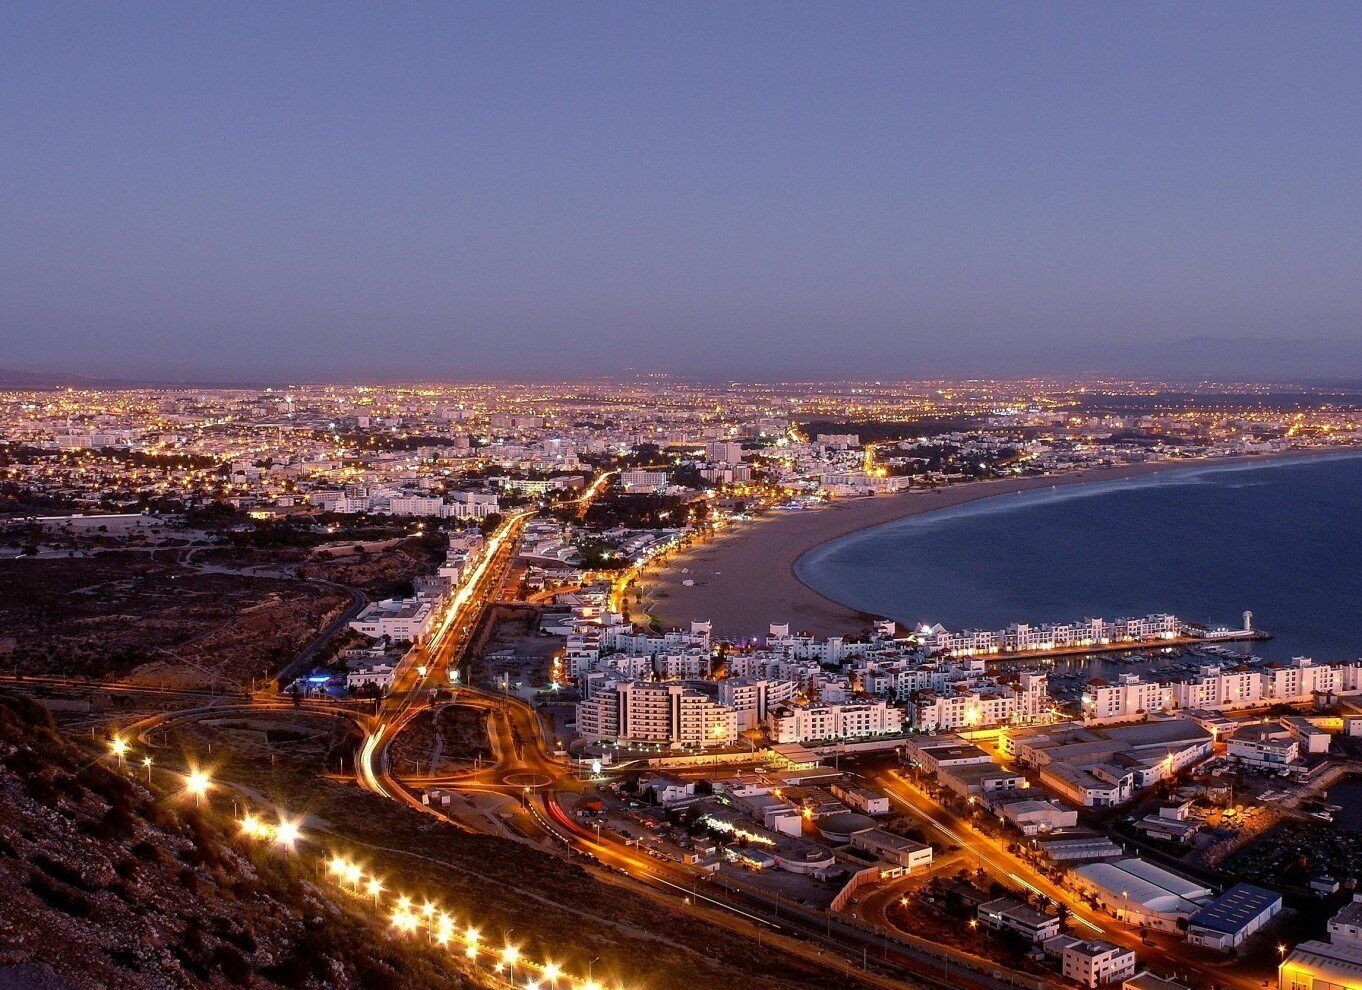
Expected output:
(745, 579)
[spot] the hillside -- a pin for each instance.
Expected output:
(105, 883)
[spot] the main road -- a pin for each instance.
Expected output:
(429, 666)
(1009, 868)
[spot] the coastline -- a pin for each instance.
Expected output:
(745, 579)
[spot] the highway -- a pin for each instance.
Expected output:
(428, 667)
(431, 665)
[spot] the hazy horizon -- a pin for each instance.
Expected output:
(761, 192)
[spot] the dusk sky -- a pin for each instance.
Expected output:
(397, 191)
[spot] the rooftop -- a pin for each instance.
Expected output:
(1235, 909)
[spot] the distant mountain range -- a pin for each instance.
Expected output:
(38, 379)
(1258, 359)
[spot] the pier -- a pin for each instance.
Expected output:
(1233, 636)
(1069, 640)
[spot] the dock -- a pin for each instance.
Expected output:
(1232, 636)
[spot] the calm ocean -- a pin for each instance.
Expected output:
(1283, 539)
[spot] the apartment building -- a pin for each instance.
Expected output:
(796, 723)
(980, 707)
(751, 698)
(1213, 688)
(1128, 699)
(669, 714)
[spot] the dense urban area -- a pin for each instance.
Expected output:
(351, 686)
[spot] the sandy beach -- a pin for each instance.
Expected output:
(745, 580)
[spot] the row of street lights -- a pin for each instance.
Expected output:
(196, 783)
(408, 919)
(286, 834)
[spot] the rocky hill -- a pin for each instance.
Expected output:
(106, 883)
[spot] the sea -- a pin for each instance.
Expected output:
(1281, 538)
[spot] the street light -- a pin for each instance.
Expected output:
(146, 762)
(118, 747)
(197, 784)
(353, 874)
(287, 833)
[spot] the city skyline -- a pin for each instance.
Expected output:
(755, 192)
(657, 496)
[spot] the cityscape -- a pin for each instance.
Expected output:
(677, 496)
(345, 615)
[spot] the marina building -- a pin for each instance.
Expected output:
(1025, 638)
(1270, 746)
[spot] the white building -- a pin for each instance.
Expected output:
(724, 452)
(1302, 679)
(1345, 927)
(471, 505)
(1130, 698)
(397, 618)
(855, 720)
(415, 505)
(751, 698)
(1023, 637)
(1137, 892)
(643, 481)
(1270, 746)
(1032, 816)
(893, 848)
(1213, 688)
(670, 714)
(982, 707)
(1095, 963)
(1009, 914)
(380, 675)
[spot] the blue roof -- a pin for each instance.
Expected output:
(1235, 909)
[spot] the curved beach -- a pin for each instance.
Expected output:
(745, 578)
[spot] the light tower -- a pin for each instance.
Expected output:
(1248, 621)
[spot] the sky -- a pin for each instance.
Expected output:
(752, 190)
